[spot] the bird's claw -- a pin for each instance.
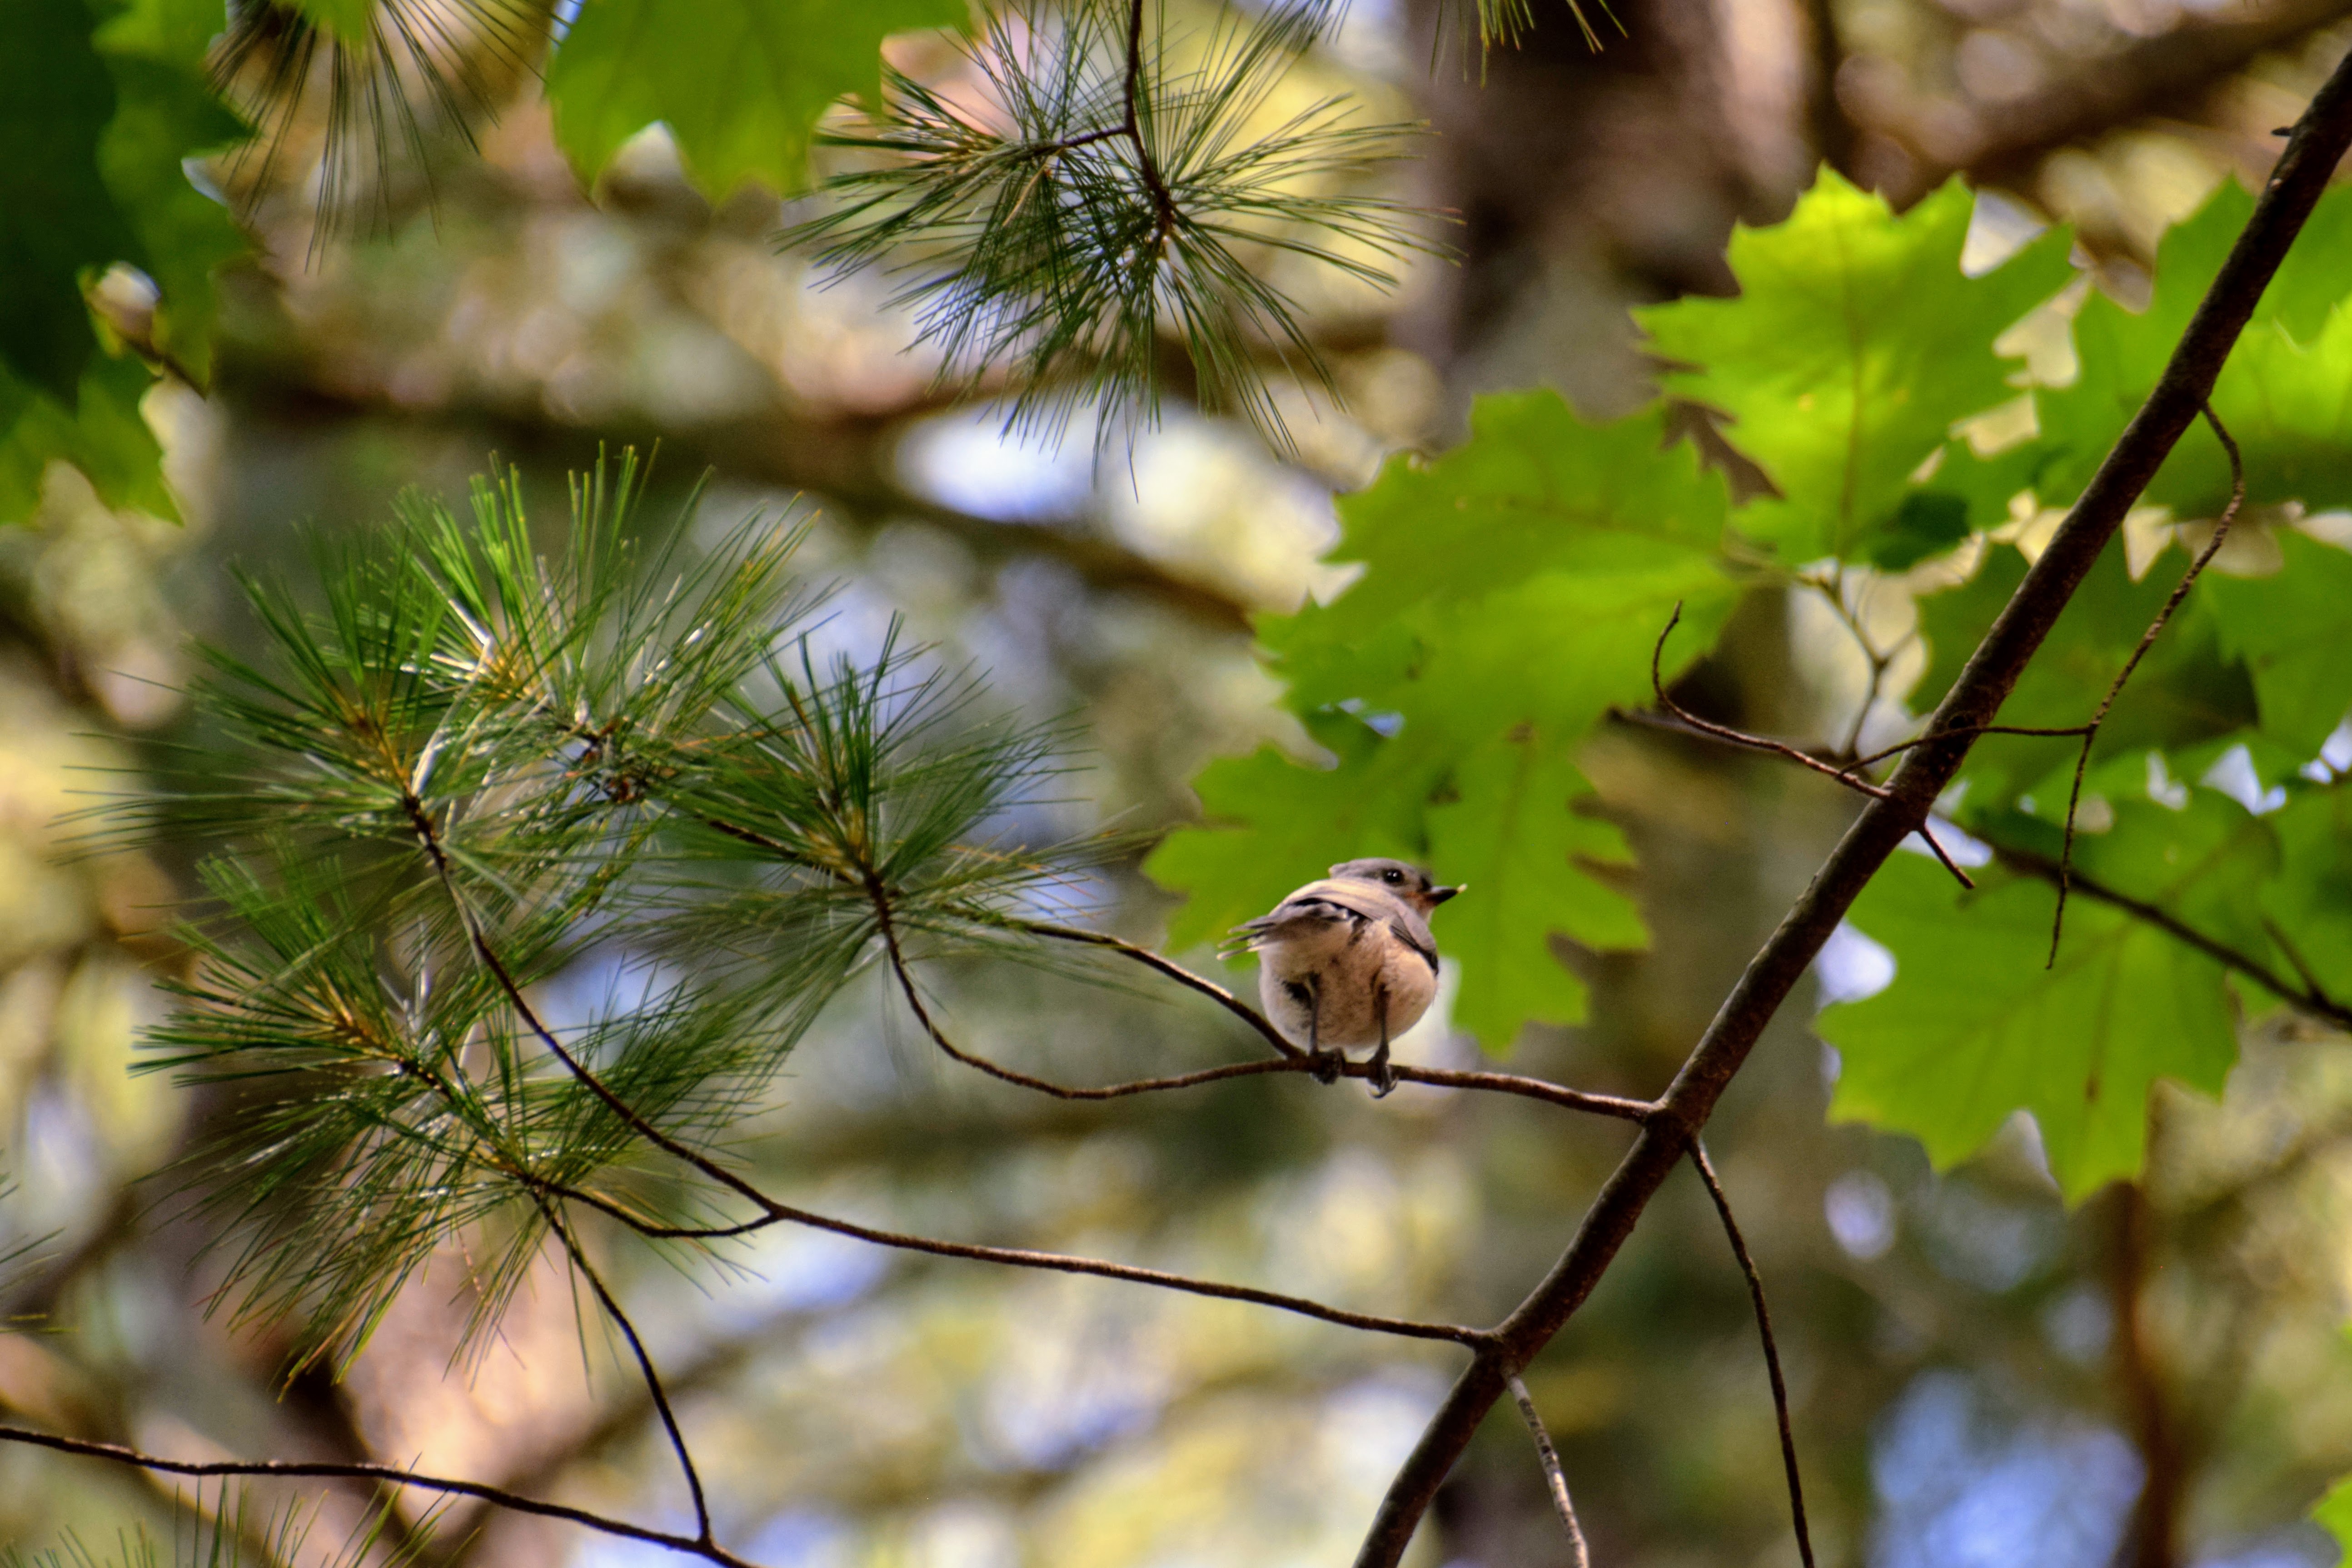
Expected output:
(1328, 1066)
(1383, 1073)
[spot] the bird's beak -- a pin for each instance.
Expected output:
(1439, 895)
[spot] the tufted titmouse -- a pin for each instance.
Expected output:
(1347, 962)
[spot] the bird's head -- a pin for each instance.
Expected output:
(1408, 882)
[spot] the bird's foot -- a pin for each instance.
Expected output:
(1328, 1064)
(1383, 1073)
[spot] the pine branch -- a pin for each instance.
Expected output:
(1113, 189)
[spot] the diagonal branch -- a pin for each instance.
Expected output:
(1771, 1348)
(2318, 142)
(653, 1382)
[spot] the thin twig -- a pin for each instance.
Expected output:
(390, 1474)
(1771, 1350)
(1555, 1478)
(1741, 737)
(1299, 1061)
(653, 1382)
(2146, 641)
(774, 1213)
(2309, 997)
(1162, 201)
(1846, 774)
(1173, 971)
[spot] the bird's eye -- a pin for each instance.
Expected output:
(1392, 876)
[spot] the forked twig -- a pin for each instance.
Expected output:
(660, 1396)
(1725, 732)
(1845, 775)
(1555, 1478)
(1771, 1350)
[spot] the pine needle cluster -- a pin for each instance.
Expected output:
(1095, 189)
(466, 777)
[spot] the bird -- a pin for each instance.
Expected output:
(1347, 962)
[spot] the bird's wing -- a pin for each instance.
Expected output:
(1373, 903)
(1331, 899)
(1319, 903)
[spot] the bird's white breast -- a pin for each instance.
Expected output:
(1352, 968)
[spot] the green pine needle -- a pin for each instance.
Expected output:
(1065, 230)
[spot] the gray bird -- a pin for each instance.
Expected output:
(1347, 962)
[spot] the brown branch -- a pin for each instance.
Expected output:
(2311, 153)
(2308, 998)
(1298, 1061)
(774, 1213)
(1173, 971)
(389, 1475)
(2157, 75)
(1555, 1478)
(1725, 733)
(2154, 1539)
(1162, 201)
(645, 1360)
(1845, 775)
(1771, 1349)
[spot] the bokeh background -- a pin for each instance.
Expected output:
(1982, 1377)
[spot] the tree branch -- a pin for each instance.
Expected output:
(2308, 998)
(1298, 1061)
(645, 1360)
(774, 1213)
(2158, 75)
(2311, 153)
(389, 1475)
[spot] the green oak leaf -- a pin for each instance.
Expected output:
(101, 108)
(169, 114)
(2293, 632)
(1975, 1028)
(1515, 840)
(739, 83)
(1513, 590)
(1854, 346)
(102, 433)
(1271, 824)
(2284, 395)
